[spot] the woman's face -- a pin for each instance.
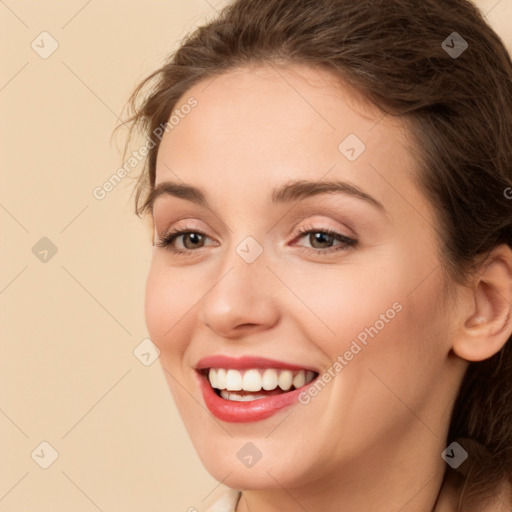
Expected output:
(309, 247)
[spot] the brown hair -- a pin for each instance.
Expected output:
(459, 108)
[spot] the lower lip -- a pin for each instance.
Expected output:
(244, 412)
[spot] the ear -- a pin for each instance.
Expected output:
(487, 320)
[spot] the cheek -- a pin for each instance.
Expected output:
(347, 303)
(169, 298)
(390, 344)
(378, 318)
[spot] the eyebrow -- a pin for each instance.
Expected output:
(289, 192)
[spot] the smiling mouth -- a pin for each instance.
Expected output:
(255, 383)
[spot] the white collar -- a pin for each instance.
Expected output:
(227, 502)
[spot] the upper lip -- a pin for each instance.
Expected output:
(247, 362)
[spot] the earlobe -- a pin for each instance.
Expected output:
(487, 322)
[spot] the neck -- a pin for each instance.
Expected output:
(406, 476)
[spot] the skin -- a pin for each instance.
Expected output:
(372, 439)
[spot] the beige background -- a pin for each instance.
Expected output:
(70, 324)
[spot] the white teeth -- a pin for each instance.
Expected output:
(255, 379)
(212, 376)
(299, 380)
(220, 378)
(252, 380)
(233, 380)
(239, 398)
(285, 380)
(269, 379)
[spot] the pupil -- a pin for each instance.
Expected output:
(195, 238)
(324, 239)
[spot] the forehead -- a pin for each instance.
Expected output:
(275, 104)
(264, 124)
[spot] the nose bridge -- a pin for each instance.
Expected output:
(244, 265)
(240, 296)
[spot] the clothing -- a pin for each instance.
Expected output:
(227, 502)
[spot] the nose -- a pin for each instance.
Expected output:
(241, 301)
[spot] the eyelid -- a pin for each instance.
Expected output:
(167, 239)
(324, 226)
(181, 224)
(319, 225)
(176, 230)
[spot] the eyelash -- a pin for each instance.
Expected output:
(167, 240)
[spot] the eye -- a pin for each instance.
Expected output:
(321, 241)
(324, 240)
(183, 240)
